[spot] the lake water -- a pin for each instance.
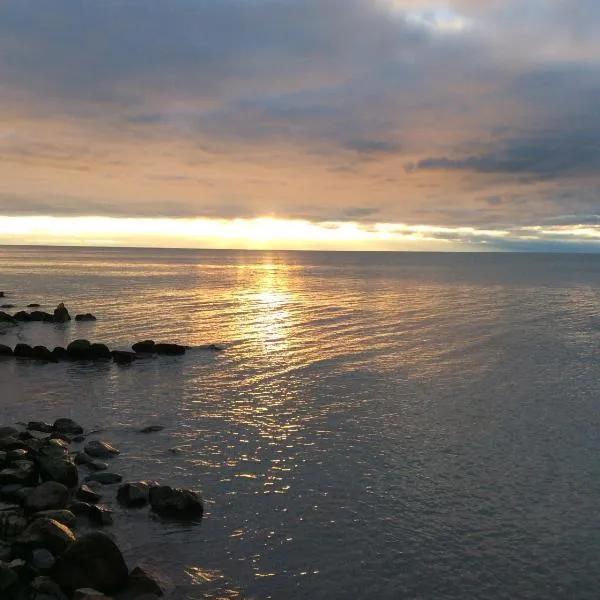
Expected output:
(402, 426)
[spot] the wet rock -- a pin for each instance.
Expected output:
(6, 318)
(7, 306)
(99, 449)
(67, 426)
(40, 315)
(86, 494)
(5, 551)
(78, 439)
(55, 465)
(2, 294)
(5, 350)
(151, 429)
(123, 358)
(143, 580)
(134, 494)
(105, 478)
(49, 495)
(8, 432)
(85, 317)
(78, 507)
(45, 533)
(40, 426)
(213, 347)
(176, 503)
(3, 458)
(79, 350)
(22, 316)
(8, 579)
(33, 305)
(100, 351)
(170, 349)
(17, 454)
(20, 496)
(100, 516)
(89, 594)
(81, 458)
(10, 442)
(44, 588)
(42, 353)
(22, 472)
(42, 559)
(60, 353)
(66, 517)
(23, 351)
(61, 314)
(143, 346)
(93, 561)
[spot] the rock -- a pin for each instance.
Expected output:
(105, 478)
(8, 579)
(61, 314)
(80, 508)
(33, 305)
(133, 494)
(88, 594)
(67, 426)
(23, 351)
(10, 443)
(22, 316)
(144, 346)
(213, 347)
(42, 353)
(151, 429)
(99, 351)
(17, 454)
(49, 495)
(6, 318)
(5, 350)
(169, 349)
(45, 533)
(93, 561)
(66, 517)
(78, 439)
(142, 580)
(86, 494)
(97, 465)
(100, 515)
(40, 315)
(42, 559)
(123, 358)
(46, 589)
(176, 503)
(12, 524)
(79, 349)
(99, 449)
(5, 551)
(8, 432)
(81, 458)
(60, 353)
(85, 317)
(2, 294)
(7, 492)
(40, 426)
(23, 472)
(55, 465)
(7, 306)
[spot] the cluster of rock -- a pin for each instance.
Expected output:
(60, 315)
(42, 500)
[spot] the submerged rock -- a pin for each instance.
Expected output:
(105, 478)
(176, 503)
(39, 315)
(85, 317)
(60, 353)
(5, 350)
(67, 426)
(151, 429)
(39, 426)
(134, 494)
(143, 581)
(93, 561)
(22, 316)
(170, 349)
(79, 349)
(33, 305)
(123, 357)
(143, 346)
(100, 449)
(100, 516)
(23, 351)
(61, 314)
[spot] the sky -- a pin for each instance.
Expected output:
(335, 124)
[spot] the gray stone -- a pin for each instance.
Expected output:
(93, 561)
(42, 559)
(49, 495)
(100, 449)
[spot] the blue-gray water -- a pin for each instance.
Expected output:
(402, 426)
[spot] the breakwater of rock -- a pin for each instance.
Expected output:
(55, 541)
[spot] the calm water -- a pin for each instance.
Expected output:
(382, 426)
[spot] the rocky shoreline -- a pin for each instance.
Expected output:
(48, 490)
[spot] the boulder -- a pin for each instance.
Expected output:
(49, 495)
(79, 350)
(55, 465)
(85, 317)
(33, 305)
(5, 551)
(142, 580)
(45, 533)
(42, 353)
(6, 318)
(8, 431)
(134, 494)
(93, 561)
(5, 350)
(12, 524)
(99, 449)
(7, 306)
(40, 315)
(61, 314)
(22, 472)
(176, 503)
(42, 559)
(66, 517)
(86, 494)
(39, 426)
(122, 357)
(44, 588)
(105, 478)
(170, 349)
(143, 346)
(67, 426)
(98, 351)
(22, 316)
(8, 579)
(100, 516)
(77, 507)
(23, 351)
(60, 353)
(151, 429)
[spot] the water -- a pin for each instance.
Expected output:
(413, 426)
